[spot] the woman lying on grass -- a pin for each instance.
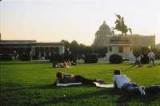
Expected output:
(65, 78)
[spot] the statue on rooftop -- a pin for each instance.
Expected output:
(120, 26)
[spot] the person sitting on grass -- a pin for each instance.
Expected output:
(124, 83)
(70, 78)
(138, 61)
(62, 64)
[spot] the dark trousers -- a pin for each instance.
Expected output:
(153, 89)
(84, 80)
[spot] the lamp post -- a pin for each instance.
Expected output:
(149, 47)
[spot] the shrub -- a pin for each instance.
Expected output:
(115, 59)
(91, 58)
(25, 57)
(56, 58)
(5, 57)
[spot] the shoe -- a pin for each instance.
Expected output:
(96, 83)
(142, 91)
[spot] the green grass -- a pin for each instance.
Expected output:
(30, 83)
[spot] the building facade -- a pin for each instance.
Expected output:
(143, 40)
(117, 44)
(104, 34)
(37, 50)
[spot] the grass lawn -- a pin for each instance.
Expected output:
(30, 83)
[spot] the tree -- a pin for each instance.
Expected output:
(81, 50)
(101, 51)
(66, 45)
(74, 47)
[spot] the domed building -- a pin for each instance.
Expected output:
(115, 44)
(121, 45)
(102, 36)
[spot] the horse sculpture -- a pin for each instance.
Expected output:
(120, 26)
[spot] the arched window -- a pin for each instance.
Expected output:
(130, 48)
(121, 49)
(110, 49)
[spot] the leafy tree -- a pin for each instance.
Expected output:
(66, 45)
(74, 47)
(81, 50)
(101, 51)
(145, 51)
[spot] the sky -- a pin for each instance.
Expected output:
(56, 20)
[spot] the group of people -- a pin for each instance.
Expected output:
(151, 56)
(64, 64)
(120, 82)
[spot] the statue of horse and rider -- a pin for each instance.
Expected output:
(120, 26)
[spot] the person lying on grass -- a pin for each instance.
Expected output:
(64, 78)
(124, 83)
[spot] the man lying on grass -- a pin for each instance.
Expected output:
(120, 81)
(65, 79)
(123, 82)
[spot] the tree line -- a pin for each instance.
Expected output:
(80, 50)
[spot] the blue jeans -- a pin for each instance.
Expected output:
(151, 61)
(131, 87)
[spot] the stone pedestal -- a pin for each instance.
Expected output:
(121, 46)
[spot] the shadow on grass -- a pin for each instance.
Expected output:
(123, 100)
(9, 87)
(72, 98)
(124, 97)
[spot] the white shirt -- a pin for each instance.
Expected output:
(151, 55)
(121, 80)
(139, 58)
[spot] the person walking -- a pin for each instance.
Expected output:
(151, 56)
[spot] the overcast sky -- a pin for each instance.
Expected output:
(55, 20)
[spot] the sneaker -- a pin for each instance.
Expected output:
(142, 91)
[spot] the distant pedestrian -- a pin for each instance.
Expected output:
(138, 61)
(151, 56)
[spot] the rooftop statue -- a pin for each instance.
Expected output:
(120, 26)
